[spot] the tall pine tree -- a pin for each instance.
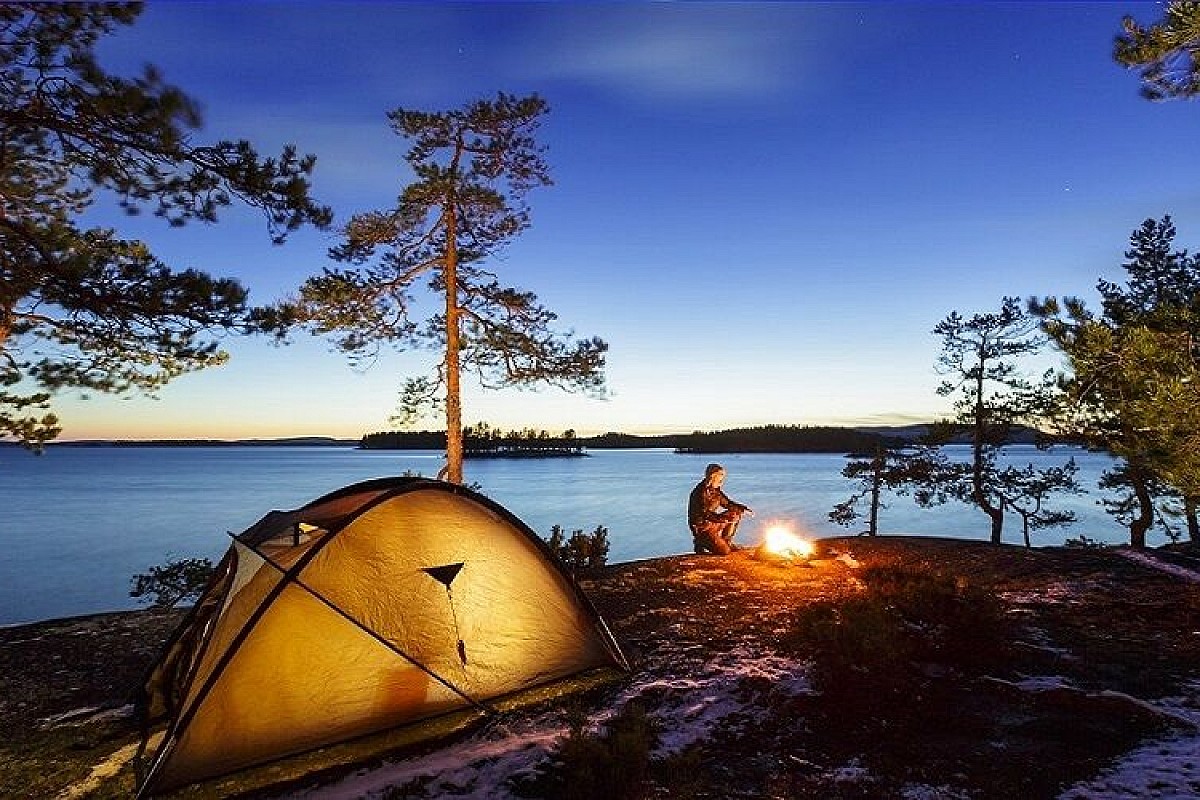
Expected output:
(473, 168)
(980, 358)
(1134, 382)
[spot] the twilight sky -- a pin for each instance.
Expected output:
(764, 209)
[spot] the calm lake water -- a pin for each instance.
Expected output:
(78, 522)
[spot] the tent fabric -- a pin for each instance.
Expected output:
(379, 605)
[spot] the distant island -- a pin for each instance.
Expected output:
(483, 441)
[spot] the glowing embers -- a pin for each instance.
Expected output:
(780, 544)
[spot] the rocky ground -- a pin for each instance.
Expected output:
(1047, 673)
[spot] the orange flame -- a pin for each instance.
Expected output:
(781, 541)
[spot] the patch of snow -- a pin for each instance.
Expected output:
(921, 791)
(1166, 768)
(688, 706)
(88, 714)
(849, 560)
(477, 770)
(696, 705)
(853, 772)
(1042, 683)
(1051, 593)
(1185, 707)
(1148, 560)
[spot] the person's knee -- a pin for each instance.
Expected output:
(722, 547)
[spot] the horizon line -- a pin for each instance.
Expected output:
(331, 437)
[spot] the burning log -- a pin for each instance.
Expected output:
(781, 546)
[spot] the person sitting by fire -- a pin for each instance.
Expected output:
(712, 516)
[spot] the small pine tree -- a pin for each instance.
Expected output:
(580, 550)
(598, 548)
(473, 168)
(889, 469)
(1026, 490)
(167, 585)
(557, 542)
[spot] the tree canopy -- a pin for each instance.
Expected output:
(82, 307)
(1134, 381)
(473, 168)
(1165, 53)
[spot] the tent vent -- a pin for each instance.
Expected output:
(446, 574)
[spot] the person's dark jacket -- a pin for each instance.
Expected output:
(709, 504)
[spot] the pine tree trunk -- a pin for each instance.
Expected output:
(978, 490)
(1193, 523)
(876, 481)
(454, 442)
(873, 530)
(1142, 522)
(997, 523)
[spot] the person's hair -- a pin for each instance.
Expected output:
(712, 468)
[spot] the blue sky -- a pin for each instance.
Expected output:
(764, 209)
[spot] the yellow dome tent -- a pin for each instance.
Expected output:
(383, 604)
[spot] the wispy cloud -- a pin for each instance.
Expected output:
(379, 54)
(680, 51)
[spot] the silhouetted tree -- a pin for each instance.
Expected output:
(473, 167)
(992, 395)
(1027, 489)
(168, 585)
(81, 307)
(887, 469)
(1166, 53)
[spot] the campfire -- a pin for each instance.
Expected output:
(780, 544)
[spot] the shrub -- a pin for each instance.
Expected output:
(167, 585)
(882, 641)
(581, 550)
(1083, 542)
(611, 763)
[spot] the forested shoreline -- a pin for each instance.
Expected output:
(484, 440)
